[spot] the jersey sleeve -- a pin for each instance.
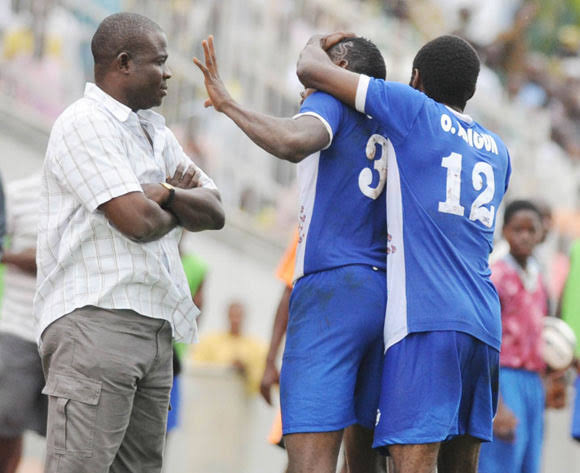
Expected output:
(392, 104)
(327, 109)
(508, 172)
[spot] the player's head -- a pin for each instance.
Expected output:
(358, 55)
(522, 228)
(236, 315)
(130, 54)
(446, 69)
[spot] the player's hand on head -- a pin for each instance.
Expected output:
(270, 378)
(329, 40)
(218, 94)
(185, 177)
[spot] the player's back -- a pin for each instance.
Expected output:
(447, 177)
(342, 204)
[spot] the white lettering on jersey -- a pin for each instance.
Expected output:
(472, 138)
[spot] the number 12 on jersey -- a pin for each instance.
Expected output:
(452, 205)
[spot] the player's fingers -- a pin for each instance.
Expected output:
(331, 39)
(201, 66)
(212, 52)
(206, 54)
(265, 392)
(189, 177)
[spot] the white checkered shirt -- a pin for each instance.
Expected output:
(98, 151)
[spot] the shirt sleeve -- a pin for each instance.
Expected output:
(508, 173)
(392, 104)
(327, 109)
(175, 156)
(88, 158)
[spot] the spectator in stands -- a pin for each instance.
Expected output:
(244, 353)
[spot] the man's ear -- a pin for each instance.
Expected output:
(122, 61)
(416, 81)
(343, 63)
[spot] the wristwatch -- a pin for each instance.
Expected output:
(171, 196)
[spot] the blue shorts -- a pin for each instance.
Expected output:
(523, 392)
(436, 386)
(334, 348)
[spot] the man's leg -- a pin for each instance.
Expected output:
(143, 445)
(420, 458)
(93, 359)
(360, 456)
(313, 452)
(459, 455)
(10, 453)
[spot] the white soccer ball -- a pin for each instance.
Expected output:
(559, 343)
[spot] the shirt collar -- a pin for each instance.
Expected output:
(462, 116)
(120, 111)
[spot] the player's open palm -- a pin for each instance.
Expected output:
(218, 94)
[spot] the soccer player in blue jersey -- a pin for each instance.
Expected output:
(333, 356)
(446, 178)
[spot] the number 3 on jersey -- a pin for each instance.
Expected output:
(452, 205)
(365, 178)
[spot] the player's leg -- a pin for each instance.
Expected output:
(144, 441)
(313, 452)
(321, 361)
(459, 455)
(418, 458)
(426, 396)
(360, 456)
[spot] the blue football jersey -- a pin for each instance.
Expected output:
(342, 217)
(446, 178)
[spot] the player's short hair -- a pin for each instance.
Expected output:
(121, 32)
(449, 67)
(362, 55)
(516, 206)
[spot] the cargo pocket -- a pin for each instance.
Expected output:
(72, 413)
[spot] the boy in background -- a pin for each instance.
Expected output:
(519, 424)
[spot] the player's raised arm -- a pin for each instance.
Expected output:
(285, 138)
(316, 70)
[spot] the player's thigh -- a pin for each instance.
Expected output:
(424, 398)
(309, 452)
(360, 456)
(459, 455)
(330, 328)
(419, 458)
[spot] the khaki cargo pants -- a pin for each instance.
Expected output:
(108, 377)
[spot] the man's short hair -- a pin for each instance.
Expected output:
(516, 206)
(362, 55)
(449, 67)
(121, 32)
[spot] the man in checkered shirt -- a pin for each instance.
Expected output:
(117, 191)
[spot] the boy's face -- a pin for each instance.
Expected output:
(522, 232)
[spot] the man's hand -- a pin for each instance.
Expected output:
(269, 379)
(185, 178)
(218, 94)
(504, 424)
